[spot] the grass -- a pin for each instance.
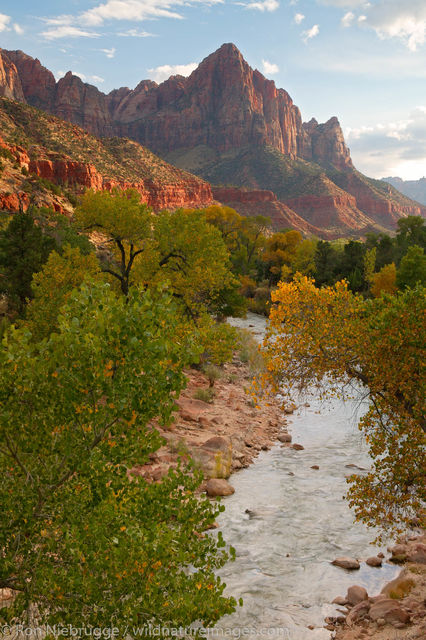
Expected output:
(249, 352)
(205, 395)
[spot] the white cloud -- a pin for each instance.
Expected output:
(97, 79)
(4, 21)
(67, 31)
(298, 18)
(18, 29)
(345, 3)
(264, 5)
(348, 19)
(82, 76)
(136, 10)
(161, 73)
(135, 33)
(391, 148)
(110, 53)
(269, 67)
(395, 19)
(310, 33)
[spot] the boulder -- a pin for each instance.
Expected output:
(214, 457)
(219, 487)
(389, 610)
(374, 561)
(346, 563)
(399, 587)
(315, 466)
(340, 600)
(284, 437)
(359, 612)
(356, 594)
(297, 447)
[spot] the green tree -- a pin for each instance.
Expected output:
(23, 251)
(328, 338)
(412, 269)
(53, 285)
(82, 537)
(124, 222)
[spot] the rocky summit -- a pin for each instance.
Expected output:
(233, 127)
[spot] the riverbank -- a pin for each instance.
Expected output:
(221, 436)
(399, 611)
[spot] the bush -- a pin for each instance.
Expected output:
(205, 395)
(249, 351)
(212, 373)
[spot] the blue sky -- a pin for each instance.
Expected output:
(364, 62)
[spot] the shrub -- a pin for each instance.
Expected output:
(205, 395)
(212, 373)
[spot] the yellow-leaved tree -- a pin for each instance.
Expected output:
(329, 338)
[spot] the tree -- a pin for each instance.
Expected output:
(412, 269)
(81, 536)
(23, 251)
(280, 250)
(326, 259)
(384, 281)
(124, 222)
(330, 338)
(53, 285)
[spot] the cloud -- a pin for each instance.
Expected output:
(136, 10)
(310, 33)
(161, 73)
(110, 53)
(135, 33)
(391, 148)
(18, 29)
(97, 79)
(265, 5)
(298, 18)
(345, 3)
(348, 19)
(269, 67)
(82, 76)
(395, 19)
(67, 31)
(4, 21)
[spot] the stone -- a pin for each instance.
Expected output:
(297, 447)
(219, 487)
(284, 437)
(346, 563)
(359, 612)
(388, 610)
(340, 600)
(356, 594)
(374, 561)
(315, 466)
(399, 587)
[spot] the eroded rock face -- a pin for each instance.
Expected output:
(223, 104)
(10, 83)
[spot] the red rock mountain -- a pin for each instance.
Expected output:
(230, 125)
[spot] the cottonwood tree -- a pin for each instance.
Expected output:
(329, 338)
(83, 540)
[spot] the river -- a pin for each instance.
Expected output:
(298, 525)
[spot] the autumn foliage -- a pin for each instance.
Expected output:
(336, 341)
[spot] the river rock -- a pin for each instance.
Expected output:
(214, 457)
(346, 563)
(315, 466)
(356, 594)
(290, 408)
(340, 600)
(219, 487)
(389, 610)
(359, 612)
(297, 447)
(374, 561)
(399, 587)
(284, 437)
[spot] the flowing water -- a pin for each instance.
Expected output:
(298, 523)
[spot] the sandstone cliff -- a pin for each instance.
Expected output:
(229, 125)
(54, 152)
(223, 104)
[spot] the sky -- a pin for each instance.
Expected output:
(362, 61)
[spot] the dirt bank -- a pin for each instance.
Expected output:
(223, 435)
